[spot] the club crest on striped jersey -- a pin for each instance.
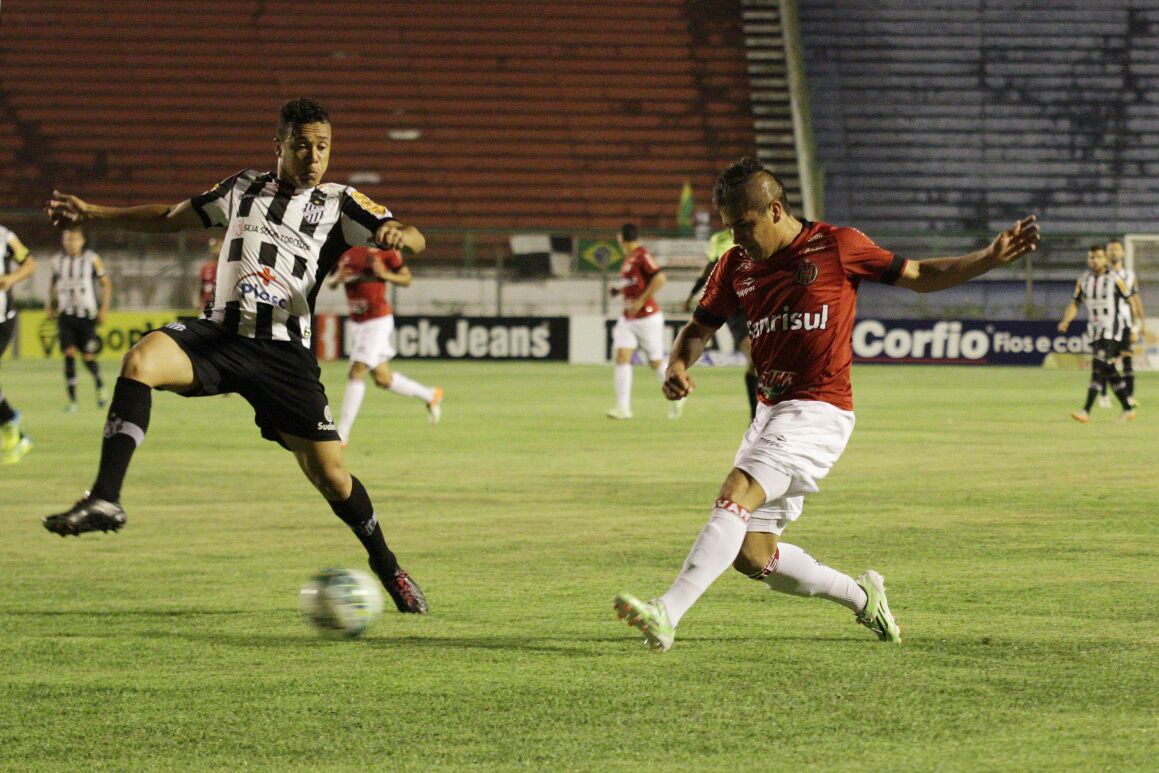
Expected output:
(313, 211)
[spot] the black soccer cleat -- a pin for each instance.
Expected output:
(407, 595)
(89, 514)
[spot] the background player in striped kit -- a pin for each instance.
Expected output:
(73, 299)
(16, 265)
(366, 272)
(284, 232)
(1104, 293)
(1132, 310)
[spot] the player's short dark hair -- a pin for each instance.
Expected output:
(301, 111)
(1097, 248)
(74, 228)
(629, 232)
(733, 185)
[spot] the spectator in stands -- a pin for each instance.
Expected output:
(642, 323)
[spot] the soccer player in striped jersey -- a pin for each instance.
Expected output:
(16, 265)
(1132, 310)
(365, 272)
(78, 307)
(1104, 293)
(284, 231)
(797, 283)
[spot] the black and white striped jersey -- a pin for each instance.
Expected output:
(75, 283)
(1132, 284)
(279, 243)
(9, 260)
(1103, 298)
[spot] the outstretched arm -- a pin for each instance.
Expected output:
(1071, 312)
(66, 210)
(402, 277)
(26, 268)
(927, 276)
(686, 350)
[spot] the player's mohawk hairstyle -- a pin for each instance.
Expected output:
(733, 185)
(300, 111)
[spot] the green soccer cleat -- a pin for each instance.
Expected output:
(876, 615)
(16, 452)
(650, 618)
(10, 433)
(619, 412)
(102, 396)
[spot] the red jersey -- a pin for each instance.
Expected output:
(207, 276)
(800, 306)
(636, 272)
(366, 295)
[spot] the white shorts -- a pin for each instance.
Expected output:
(645, 333)
(372, 345)
(798, 438)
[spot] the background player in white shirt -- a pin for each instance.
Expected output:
(1136, 329)
(284, 231)
(74, 300)
(16, 265)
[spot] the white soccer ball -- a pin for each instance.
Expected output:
(341, 603)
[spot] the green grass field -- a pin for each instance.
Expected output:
(1019, 548)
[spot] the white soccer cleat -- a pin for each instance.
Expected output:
(619, 412)
(876, 615)
(649, 618)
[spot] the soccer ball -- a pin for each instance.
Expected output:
(341, 603)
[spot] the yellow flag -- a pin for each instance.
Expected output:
(684, 209)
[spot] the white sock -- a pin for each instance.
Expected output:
(623, 380)
(712, 553)
(660, 373)
(351, 402)
(401, 385)
(792, 570)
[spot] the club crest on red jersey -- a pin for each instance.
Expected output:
(807, 272)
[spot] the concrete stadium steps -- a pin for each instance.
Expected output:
(576, 115)
(951, 115)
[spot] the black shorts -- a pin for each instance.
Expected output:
(7, 330)
(1105, 349)
(78, 332)
(280, 379)
(738, 327)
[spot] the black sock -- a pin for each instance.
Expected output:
(1129, 373)
(124, 431)
(357, 512)
(750, 385)
(1098, 383)
(70, 377)
(6, 412)
(1120, 390)
(96, 371)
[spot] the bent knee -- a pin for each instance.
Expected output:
(753, 559)
(332, 481)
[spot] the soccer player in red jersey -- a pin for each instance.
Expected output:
(207, 276)
(365, 272)
(642, 323)
(797, 284)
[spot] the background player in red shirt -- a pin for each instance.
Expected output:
(366, 271)
(207, 275)
(642, 323)
(797, 284)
